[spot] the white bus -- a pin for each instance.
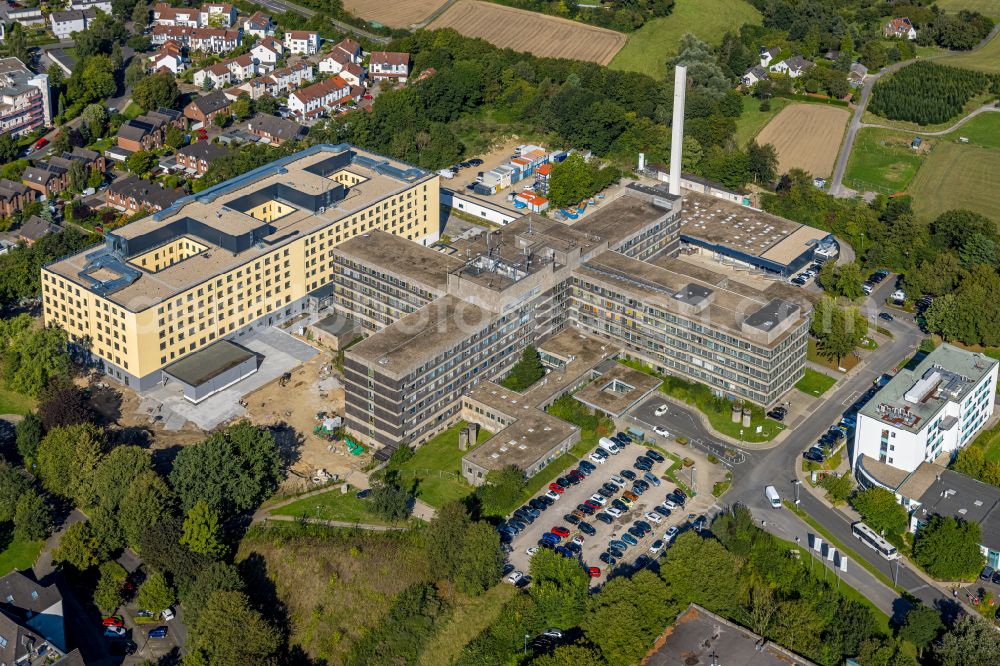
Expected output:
(871, 538)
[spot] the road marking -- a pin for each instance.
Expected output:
(914, 590)
(851, 398)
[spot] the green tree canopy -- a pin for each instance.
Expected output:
(972, 641)
(68, 459)
(155, 593)
(702, 571)
(949, 549)
(156, 91)
(32, 517)
(116, 472)
(480, 560)
(201, 530)
(229, 632)
(147, 501)
(78, 547)
(881, 511)
(560, 588)
(502, 490)
(13, 484)
(921, 626)
(450, 524)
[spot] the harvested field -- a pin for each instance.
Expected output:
(541, 35)
(393, 13)
(806, 136)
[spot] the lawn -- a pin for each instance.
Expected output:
(469, 617)
(815, 383)
(812, 354)
(989, 440)
(957, 176)
(985, 7)
(882, 161)
(131, 111)
(19, 555)
(752, 120)
(332, 505)
(14, 403)
(982, 131)
(649, 47)
(437, 468)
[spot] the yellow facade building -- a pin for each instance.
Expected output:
(243, 254)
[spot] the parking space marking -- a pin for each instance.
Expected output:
(851, 399)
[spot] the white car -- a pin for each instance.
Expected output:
(600, 499)
(613, 511)
(578, 539)
(671, 533)
(167, 614)
(552, 633)
(670, 505)
(553, 495)
(515, 577)
(531, 551)
(661, 410)
(654, 517)
(661, 431)
(596, 458)
(656, 547)
(617, 480)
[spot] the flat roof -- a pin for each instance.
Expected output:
(337, 324)
(753, 232)
(402, 257)
(912, 398)
(623, 216)
(204, 365)
(524, 442)
(383, 178)
(965, 498)
(617, 389)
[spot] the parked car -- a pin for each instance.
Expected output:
(986, 574)
(596, 458)
(629, 539)
(661, 431)
(671, 533)
(605, 516)
(555, 487)
(615, 552)
(628, 474)
(559, 530)
(159, 632)
(552, 495)
(661, 410)
(885, 316)
(653, 517)
(583, 508)
(593, 572)
(608, 559)
(587, 529)
(649, 476)
(655, 455)
(514, 577)
(114, 632)
(656, 547)
(113, 621)
(662, 510)
(571, 519)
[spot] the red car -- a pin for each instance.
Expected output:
(556, 488)
(560, 531)
(593, 505)
(112, 621)
(367, 97)
(41, 143)
(594, 572)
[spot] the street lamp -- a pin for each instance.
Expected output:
(796, 483)
(526, 636)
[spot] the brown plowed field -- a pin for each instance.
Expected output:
(806, 136)
(546, 36)
(393, 13)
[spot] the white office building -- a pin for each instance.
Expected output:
(926, 414)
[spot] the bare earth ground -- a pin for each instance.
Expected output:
(393, 13)
(545, 36)
(806, 136)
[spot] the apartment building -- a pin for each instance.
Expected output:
(217, 76)
(385, 65)
(279, 82)
(24, 98)
(302, 42)
(208, 40)
(14, 196)
(102, 5)
(45, 178)
(197, 157)
(321, 98)
(131, 194)
(926, 414)
(267, 52)
(64, 24)
(204, 109)
(216, 15)
(241, 255)
(149, 130)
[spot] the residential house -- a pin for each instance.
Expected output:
(14, 196)
(198, 156)
(179, 34)
(218, 15)
(102, 5)
(242, 67)
(165, 15)
(304, 42)
(133, 193)
(274, 130)
(343, 53)
(32, 623)
(900, 28)
(753, 75)
(768, 55)
(857, 74)
(354, 74)
(169, 57)
(259, 25)
(217, 76)
(320, 98)
(65, 24)
(793, 67)
(214, 40)
(91, 159)
(34, 228)
(385, 65)
(267, 52)
(24, 98)
(279, 82)
(29, 17)
(204, 109)
(45, 178)
(149, 130)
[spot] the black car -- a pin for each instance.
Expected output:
(662, 510)
(986, 574)
(571, 519)
(607, 559)
(524, 517)
(563, 481)
(548, 501)
(587, 529)
(538, 505)
(575, 548)
(531, 511)
(644, 525)
(655, 455)
(586, 471)
(642, 465)
(587, 465)
(885, 316)
(583, 508)
(575, 479)
(628, 474)
(620, 505)
(518, 525)
(624, 435)
(545, 543)
(778, 414)
(604, 518)
(614, 552)
(610, 487)
(680, 493)
(812, 456)
(638, 490)
(642, 484)
(604, 492)
(475, 162)
(637, 531)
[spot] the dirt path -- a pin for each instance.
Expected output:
(334, 523)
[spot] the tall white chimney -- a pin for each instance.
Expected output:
(642, 162)
(677, 140)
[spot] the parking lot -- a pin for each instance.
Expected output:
(594, 545)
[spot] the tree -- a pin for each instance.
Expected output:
(93, 79)
(201, 531)
(480, 560)
(32, 517)
(155, 593)
(8, 148)
(571, 655)
(135, 72)
(28, 435)
(628, 614)
(560, 588)
(921, 626)
(217, 576)
(570, 181)
(156, 91)
(526, 371)
(242, 108)
(229, 632)
(101, 35)
(881, 511)
(116, 472)
(389, 502)
(96, 178)
(838, 330)
(34, 357)
(78, 547)
(450, 524)
(146, 502)
(266, 104)
(221, 120)
(17, 43)
(61, 404)
(13, 484)
(762, 162)
(838, 487)
(949, 549)
(140, 14)
(702, 571)
(140, 162)
(502, 490)
(109, 594)
(174, 137)
(163, 552)
(972, 641)
(702, 67)
(67, 459)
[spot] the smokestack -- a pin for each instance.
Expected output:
(680, 83)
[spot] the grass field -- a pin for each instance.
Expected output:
(545, 36)
(753, 120)
(469, 617)
(985, 7)
(957, 176)
(332, 505)
(883, 159)
(19, 555)
(649, 47)
(990, 441)
(806, 136)
(14, 403)
(436, 467)
(983, 130)
(391, 12)
(815, 383)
